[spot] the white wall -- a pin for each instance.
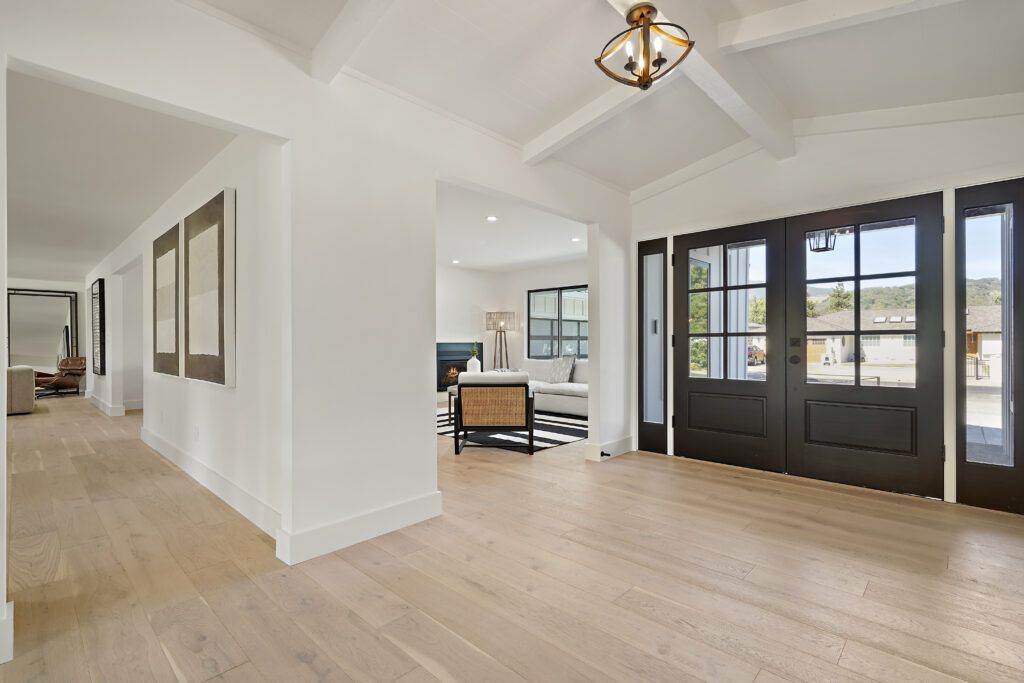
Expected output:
(872, 163)
(363, 165)
(132, 335)
(228, 438)
(464, 295)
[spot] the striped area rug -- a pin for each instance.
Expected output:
(549, 429)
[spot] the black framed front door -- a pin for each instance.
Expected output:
(729, 320)
(864, 345)
(989, 249)
(652, 380)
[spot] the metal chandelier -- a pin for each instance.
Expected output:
(644, 44)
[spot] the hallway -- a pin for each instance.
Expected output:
(543, 568)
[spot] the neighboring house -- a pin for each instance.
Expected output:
(985, 341)
(882, 349)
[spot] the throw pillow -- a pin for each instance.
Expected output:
(561, 369)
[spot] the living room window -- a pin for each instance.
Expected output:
(558, 323)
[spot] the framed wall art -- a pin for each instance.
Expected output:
(97, 312)
(165, 302)
(209, 286)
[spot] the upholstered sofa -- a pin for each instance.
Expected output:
(569, 398)
(21, 390)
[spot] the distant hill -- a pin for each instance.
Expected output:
(980, 292)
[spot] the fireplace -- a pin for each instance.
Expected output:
(451, 360)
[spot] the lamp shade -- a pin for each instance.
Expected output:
(501, 320)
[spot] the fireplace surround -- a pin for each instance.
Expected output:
(451, 360)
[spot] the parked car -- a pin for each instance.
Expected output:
(755, 356)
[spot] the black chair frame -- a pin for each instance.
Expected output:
(461, 428)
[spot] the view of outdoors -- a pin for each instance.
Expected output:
(731, 314)
(987, 373)
(886, 346)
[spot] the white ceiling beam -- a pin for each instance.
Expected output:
(730, 81)
(345, 35)
(581, 121)
(810, 17)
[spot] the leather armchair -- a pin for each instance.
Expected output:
(68, 377)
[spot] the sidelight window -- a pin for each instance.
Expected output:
(727, 306)
(861, 306)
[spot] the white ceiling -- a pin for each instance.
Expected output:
(522, 67)
(683, 124)
(522, 237)
(503, 65)
(966, 49)
(300, 22)
(85, 171)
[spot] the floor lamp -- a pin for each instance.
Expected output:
(500, 322)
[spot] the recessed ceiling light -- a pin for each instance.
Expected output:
(492, 219)
(455, 261)
(576, 239)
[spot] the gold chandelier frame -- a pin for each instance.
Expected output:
(650, 68)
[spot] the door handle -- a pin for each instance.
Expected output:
(654, 326)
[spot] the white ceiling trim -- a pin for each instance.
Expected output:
(695, 170)
(267, 36)
(996, 106)
(346, 33)
(810, 17)
(590, 176)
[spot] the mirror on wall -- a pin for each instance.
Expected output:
(42, 327)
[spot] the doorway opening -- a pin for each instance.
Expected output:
(513, 308)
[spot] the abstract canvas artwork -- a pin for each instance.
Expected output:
(99, 328)
(165, 302)
(209, 270)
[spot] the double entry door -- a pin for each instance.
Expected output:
(813, 345)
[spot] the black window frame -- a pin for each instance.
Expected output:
(557, 338)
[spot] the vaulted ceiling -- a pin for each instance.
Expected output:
(524, 68)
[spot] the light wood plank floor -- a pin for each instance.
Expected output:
(544, 568)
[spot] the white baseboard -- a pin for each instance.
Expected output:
(305, 545)
(612, 448)
(256, 511)
(133, 404)
(7, 634)
(109, 410)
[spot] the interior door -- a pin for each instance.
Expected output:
(864, 356)
(989, 286)
(653, 371)
(729, 362)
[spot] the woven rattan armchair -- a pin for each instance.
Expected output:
(493, 402)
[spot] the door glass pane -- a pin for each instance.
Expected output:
(542, 328)
(888, 303)
(706, 357)
(747, 358)
(584, 348)
(706, 267)
(836, 261)
(888, 247)
(570, 348)
(654, 334)
(706, 312)
(888, 360)
(747, 310)
(746, 263)
(831, 359)
(570, 329)
(989, 330)
(830, 306)
(544, 304)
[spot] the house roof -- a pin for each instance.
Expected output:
(985, 318)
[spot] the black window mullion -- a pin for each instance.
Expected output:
(725, 313)
(856, 306)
